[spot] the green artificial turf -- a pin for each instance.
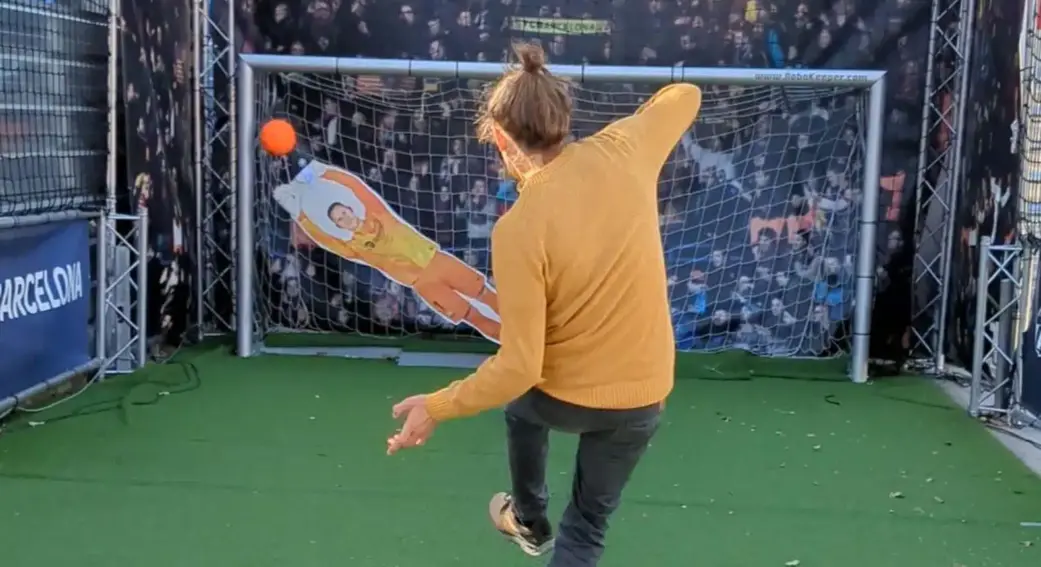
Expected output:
(279, 461)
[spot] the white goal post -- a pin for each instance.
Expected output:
(768, 211)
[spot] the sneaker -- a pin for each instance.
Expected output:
(535, 540)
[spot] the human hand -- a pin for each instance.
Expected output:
(418, 426)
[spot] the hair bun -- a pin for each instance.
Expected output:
(531, 57)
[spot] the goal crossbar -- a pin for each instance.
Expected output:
(253, 67)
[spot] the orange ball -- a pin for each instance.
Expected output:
(277, 137)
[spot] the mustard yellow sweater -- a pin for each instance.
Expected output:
(580, 273)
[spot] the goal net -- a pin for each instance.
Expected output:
(759, 210)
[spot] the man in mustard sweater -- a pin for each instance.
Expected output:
(586, 337)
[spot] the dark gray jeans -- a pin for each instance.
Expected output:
(611, 442)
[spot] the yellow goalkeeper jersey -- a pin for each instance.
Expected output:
(393, 241)
(580, 272)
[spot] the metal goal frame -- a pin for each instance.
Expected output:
(252, 67)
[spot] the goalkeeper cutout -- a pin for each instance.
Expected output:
(586, 344)
(342, 214)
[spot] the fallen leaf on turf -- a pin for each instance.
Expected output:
(896, 495)
(938, 499)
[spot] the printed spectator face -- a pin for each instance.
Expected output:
(407, 15)
(556, 46)
(776, 306)
(831, 265)
(895, 241)
(281, 13)
(717, 258)
(320, 10)
(437, 51)
(465, 19)
(697, 282)
(766, 244)
(824, 39)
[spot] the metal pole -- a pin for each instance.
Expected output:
(925, 202)
(101, 274)
(12, 402)
(927, 105)
(265, 63)
(979, 335)
(113, 89)
(233, 119)
(245, 141)
(865, 268)
(200, 184)
(106, 224)
(967, 20)
(47, 218)
(1004, 338)
(141, 311)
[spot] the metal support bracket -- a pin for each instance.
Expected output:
(997, 376)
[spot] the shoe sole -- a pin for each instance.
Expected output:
(498, 502)
(527, 547)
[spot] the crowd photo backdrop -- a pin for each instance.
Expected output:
(758, 209)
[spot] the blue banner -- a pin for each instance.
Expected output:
(44, 303)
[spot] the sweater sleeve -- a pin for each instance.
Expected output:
(656, 127)
(518, 263)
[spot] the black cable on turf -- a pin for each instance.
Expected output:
(192, 381)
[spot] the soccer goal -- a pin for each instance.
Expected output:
(373, 235)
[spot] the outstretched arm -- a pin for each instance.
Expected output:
(656, 127)
(313, 232)
(517, 263)
(368, 197)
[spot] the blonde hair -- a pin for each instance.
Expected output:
(529, 103)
